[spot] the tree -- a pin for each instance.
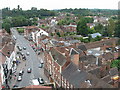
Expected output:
(82, 28)
(18, 7)
(89, 20)
(116, 63)
(104, 32)
(33, 8)
(117, 29)
(7, 27)
(111, 27)
(99, 28)
(58, 33)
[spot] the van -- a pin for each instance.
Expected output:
(35, 82)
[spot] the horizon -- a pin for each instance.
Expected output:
(59, 9)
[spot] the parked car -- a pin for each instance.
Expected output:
(27, 53)
(19, 78)
(17, 57)
(15, 86)
(21, 72)
(41, 61)
(18, 52)
(23, 57)
(41, 81)
(40, 65)
(24, 48)
(39, 53)
(29, 70)
(19, 48)
(22, 54)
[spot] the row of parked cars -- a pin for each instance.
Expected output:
(21, 53)
(29, 70)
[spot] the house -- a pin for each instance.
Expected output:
(82, 47)
(55, 63)
(108, 75)
(94, 35)
(100, 19)
(39, 34)
(28, 30)
(53, 22)
(88, 62)
(106, 43)
(73, 77)
(42, 22)
(70, 28)
(7, 63)
(91, 25)
(36, 35)
(2, 74)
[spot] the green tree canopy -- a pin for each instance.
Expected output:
(116, 63)
(99, 28)
(7, 27)
(82, 28)
(111, 27)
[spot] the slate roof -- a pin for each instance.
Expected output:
(108, 56)
(70, 69)
(95, 71)
(7, 48)
(3, 40)
(88, 59)
(113, 71)
(78, 50)
(82, 47)
(107, 78)
(58, 57)
(78, 77)
(73, 51)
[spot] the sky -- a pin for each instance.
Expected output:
(60, 4)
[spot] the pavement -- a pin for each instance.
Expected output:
(20, 66)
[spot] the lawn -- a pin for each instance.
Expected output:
(116, 63)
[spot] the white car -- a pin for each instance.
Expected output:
(41, 81)
(41, 61)
(19, 78)
(27, 53)
(29, 70)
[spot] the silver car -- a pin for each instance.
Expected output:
(19, 78)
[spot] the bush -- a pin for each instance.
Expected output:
(20, 30)
(116, 63)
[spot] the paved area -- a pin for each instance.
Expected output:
(32, 61)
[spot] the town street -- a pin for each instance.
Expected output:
(31, 62)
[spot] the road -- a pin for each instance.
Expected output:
(31, 62)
